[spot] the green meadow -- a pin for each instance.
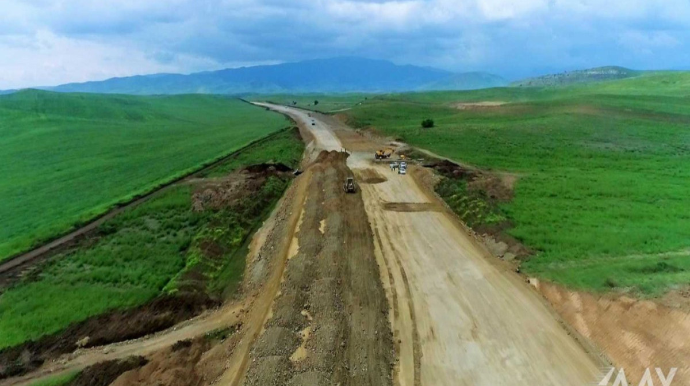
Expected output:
(603, 171)
(145, 251)
(65, 158)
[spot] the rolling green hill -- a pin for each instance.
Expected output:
(603, 171)
(65, 158)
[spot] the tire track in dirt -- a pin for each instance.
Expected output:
(408, 346)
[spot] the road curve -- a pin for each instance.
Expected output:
(458, 319)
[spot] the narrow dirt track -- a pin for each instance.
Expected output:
(457, 318)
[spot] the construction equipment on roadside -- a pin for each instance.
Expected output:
(383, 153)
(349, 186)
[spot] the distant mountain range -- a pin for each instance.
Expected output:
(580, 76)
(337, 75)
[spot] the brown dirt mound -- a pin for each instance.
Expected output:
(105, 373)
(174, 366)
(635, 334)
(117, 326)
(268, 168)
(496, 187)
(371, 176)
(230, 190)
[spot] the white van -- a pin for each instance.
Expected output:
(402, 169)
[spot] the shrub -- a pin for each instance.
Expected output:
(428, 123)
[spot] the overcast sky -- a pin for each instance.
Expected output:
(49, 42)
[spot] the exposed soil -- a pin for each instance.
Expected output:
(329, 323)
(227, 191)
(495, 187)
(635, 334)
(372, 177)
(158, 315)
(186, 363)
(478, 105)
(412, 207)
(105, 373)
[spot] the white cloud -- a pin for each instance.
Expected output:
(44, 42)
(45, 59)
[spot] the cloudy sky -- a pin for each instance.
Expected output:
(49, 42)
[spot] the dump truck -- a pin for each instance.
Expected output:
(349, 185)
(383, 153)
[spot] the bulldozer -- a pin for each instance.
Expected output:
(383, 153)
(349, 185)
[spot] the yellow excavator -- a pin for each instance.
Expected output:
(383, 153)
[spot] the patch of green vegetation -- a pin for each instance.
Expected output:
(67, 158)
(603, 171)
(140, 254)
(472, 206)
(58, 380)
(220, 334)
(224, 233)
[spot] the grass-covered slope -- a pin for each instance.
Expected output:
(603, 171)
(156, 248)
(65, 158)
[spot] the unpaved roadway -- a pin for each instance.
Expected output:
(457, 318)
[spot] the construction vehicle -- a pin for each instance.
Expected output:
(349, 185)
(383, 153)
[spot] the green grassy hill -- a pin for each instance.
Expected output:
(604, 171)
(65, 158)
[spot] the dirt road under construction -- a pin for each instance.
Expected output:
(457, 318)
(381, 287)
